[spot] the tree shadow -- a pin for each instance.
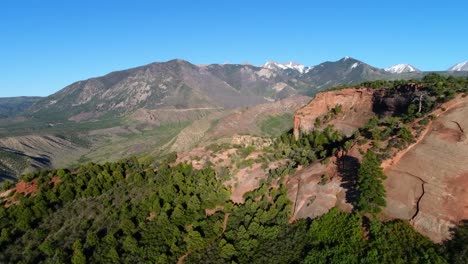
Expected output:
(348, 167)
(456, 248)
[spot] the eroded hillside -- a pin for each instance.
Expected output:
(428, 182)
(259, 198)
(426, 178)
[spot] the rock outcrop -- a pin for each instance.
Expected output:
(428, 184)
(356, 110)
(247, 140)
(357, 107)
(316, 189)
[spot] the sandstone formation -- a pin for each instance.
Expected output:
(316, 189)
(428, 184)
(356, 107)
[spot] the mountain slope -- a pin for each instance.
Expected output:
(174, 84)
(344, 71)
(401, 68)
(287, 66)
(178, 84)
(12, 106)
(462, 66)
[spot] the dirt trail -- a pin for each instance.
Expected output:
(225, 222)
(386, 164)
(181, 259)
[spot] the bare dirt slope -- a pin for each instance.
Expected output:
(428, 184)
(23, 154)
(246, 120)
(44, 147)
(316, 189)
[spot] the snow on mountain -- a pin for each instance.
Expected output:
(290, 65)
(401, 68)
(355, 65)
(462, 66)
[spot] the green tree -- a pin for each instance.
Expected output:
(405, 134)
(457, 248)
(369, 184)
(78, 257)
(130, 244)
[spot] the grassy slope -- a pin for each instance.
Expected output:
(275, 125)
(113, 147)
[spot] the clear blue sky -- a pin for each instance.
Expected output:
(46, 45)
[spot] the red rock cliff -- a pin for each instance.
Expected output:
(356, 110)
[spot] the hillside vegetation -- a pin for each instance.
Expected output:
(134, 212)
(163, 211)
(13, 106)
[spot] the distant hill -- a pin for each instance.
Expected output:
(345, 71)
(12, 106)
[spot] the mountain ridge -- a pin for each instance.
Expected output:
(462, 66)
(401, 68)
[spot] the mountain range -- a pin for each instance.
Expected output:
(167, 106)
(178, 84)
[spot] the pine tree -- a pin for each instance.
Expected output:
(78, 256)
(369, 184)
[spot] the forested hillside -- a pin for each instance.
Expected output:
(133, 212)
(163, 210)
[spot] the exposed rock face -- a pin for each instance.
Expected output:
(316, 189)
(247, 140)
(357, 105)
(428, 185)
(396, 102)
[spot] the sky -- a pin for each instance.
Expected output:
(47, 45)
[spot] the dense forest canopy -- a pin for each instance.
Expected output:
(132, 212)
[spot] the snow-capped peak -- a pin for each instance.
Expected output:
(289, 65)
(462, 66)
(401, 68)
